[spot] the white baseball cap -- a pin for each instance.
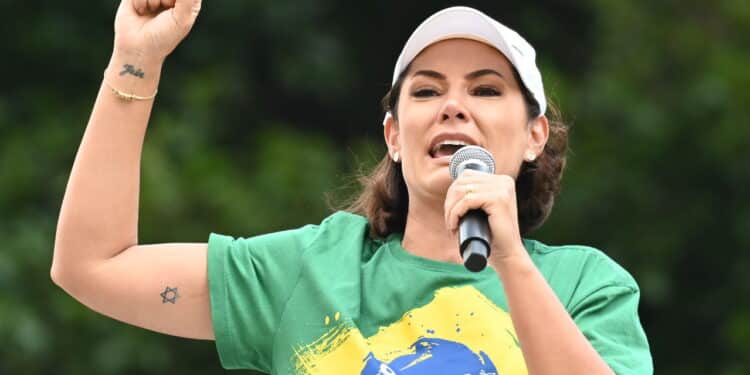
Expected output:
(469, 23)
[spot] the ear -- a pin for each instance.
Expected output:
(538, 135)
(390, 133)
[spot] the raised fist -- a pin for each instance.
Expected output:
(153, 28)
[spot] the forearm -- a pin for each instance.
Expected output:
(549, 338)
(99, 213)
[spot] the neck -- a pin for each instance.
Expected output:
(426, 234)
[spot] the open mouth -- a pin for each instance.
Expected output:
(446, 149)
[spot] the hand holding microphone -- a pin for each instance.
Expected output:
(481, 206)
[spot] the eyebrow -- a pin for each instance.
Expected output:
(470, 76)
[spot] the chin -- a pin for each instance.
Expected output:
(438, 182)
(433, 177)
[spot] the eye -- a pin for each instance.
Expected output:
(425, 93)
(486, 91)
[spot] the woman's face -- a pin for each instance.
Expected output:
(460, 90)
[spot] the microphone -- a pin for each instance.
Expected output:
(473, 228)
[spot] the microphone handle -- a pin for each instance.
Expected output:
(474, 240)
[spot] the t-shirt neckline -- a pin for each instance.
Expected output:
(393, 244)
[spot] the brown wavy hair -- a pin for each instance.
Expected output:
(384, 199)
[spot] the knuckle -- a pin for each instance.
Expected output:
(503, 194)
(508, 180)
(505, 191)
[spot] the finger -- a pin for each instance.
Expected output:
(153, 5)
(166, 4)
(140, 6)
(471, 200)
(454, 197)
(473, 177)
(476, 182)
(456, 201)
(472, 173)
(487, 181)
(466, 192)
(186, 11)
(463, 185)
(455, 192)
(481, 197)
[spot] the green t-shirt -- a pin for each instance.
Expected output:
(328, 299)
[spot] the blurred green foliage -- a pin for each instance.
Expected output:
(268, 105)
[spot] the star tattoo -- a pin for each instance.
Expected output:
(169, 295)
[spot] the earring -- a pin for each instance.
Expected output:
(395, 157)
(530, 156)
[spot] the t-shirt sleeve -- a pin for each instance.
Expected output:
(607, 313)
(250, 281)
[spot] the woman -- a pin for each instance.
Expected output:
(380, 290)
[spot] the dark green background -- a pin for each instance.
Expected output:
(267, 105)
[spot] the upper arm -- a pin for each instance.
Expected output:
(605, 308)
(609, 319)
(161, 287)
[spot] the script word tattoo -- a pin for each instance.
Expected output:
(169, 295)
(130, 69)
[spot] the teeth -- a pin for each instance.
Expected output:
(454, 143)
(449, 142)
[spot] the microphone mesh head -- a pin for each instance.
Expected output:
(475, 156)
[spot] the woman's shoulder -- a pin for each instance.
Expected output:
(342, 230)
(580, 262)
(343, 226)
(338, 227)
(344, 218)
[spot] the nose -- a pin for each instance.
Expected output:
(452, 109)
